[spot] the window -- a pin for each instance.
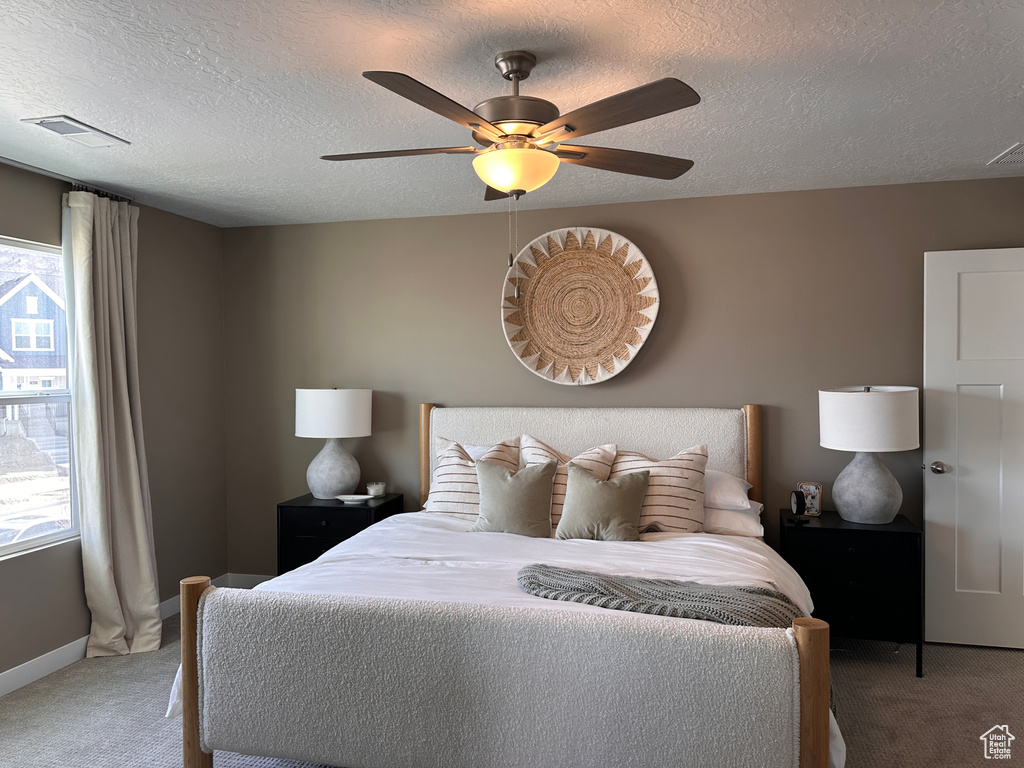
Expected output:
(36, 478)
(32, 335)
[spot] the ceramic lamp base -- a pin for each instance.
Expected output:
(333, 472)
(867, 492)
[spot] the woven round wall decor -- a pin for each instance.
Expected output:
(587, 301)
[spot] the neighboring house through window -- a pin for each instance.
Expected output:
(32, 334)
(36, 476)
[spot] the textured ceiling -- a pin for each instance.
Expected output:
(229, 105)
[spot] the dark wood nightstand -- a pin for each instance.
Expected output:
(308, 527)
(867, 581)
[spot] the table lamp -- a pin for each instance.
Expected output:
(332, 414)
(868, 420)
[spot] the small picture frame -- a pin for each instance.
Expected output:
(812, 497)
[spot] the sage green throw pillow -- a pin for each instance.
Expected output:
(605, 510)
(517, 502)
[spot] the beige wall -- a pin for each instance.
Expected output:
(41, 592)
(182, 379)
(181, 371)
(765, 298)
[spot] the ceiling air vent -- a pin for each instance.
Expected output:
(76, 131)
(1014, 154)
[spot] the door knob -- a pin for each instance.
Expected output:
(938, 467)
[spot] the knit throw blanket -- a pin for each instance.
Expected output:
(738, 606)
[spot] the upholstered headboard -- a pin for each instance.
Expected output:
(733, 436)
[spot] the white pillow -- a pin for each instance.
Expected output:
(734, 522)
(675, 491)
(597, 461)
(476, 452)
(442, 444)
(725, 491)
(454, 489)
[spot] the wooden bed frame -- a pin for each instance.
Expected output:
(812, 635)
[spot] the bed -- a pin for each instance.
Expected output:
(426, 653)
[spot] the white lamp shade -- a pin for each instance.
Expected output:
(869, 419)
(522, 168)
(332, 412)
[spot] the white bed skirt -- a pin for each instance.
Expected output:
(366, 682)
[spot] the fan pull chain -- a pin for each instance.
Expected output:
(510, 232)
(517, 233)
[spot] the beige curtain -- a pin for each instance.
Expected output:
(100, 256)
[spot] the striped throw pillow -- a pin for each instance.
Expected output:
(454, 489)
(675, 491)
(597, 461)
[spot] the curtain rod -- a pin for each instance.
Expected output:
(77, 186)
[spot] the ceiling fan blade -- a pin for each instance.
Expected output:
(651, 100)
(625, 161)
(403, 153)
(494, 194)
(426, 96)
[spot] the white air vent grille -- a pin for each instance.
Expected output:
(76, 131)
(1014, 154)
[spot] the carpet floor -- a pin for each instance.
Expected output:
(109, 712)
(892, 719)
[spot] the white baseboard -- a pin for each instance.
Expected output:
(245, 580)
(171, 607)
(41, 666)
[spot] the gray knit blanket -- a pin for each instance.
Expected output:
(723, 604)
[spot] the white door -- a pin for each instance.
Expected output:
(974, 429)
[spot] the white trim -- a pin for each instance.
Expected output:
(40, 284)
(33, 335)
(245, 580)
(39, 542)
(172, 607)
(41, 666)
(32, 396)
(30, 245)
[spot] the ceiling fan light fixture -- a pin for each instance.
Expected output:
(514, 115)
(516, 128)
(524, 168)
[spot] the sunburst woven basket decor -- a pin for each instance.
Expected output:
(587, 301)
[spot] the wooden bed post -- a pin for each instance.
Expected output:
(192, 589)
(425, 449)
(812, 648)
(755, 469)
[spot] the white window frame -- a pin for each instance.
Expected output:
(45, 396)
(33, 336)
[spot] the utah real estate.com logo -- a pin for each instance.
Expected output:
(997, 742)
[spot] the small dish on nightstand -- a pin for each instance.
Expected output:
(353, 498)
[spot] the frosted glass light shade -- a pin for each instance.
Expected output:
(332, 412)
(869, 419)
(522, 168)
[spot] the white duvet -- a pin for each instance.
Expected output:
(424, 556)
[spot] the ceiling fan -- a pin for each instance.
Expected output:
(521, 136)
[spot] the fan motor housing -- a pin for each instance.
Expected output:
(525, 111)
